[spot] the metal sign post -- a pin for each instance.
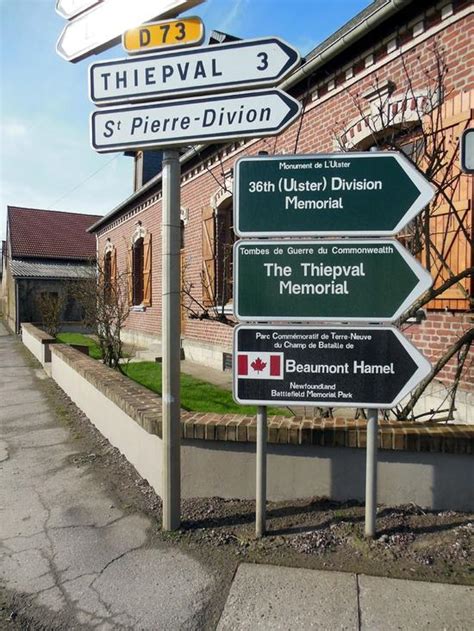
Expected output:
(371, 473)
(261, 469)
(171, 325)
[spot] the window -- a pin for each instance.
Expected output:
(224, 260)
(137, 272)
(107, 275)
(217, 247)
(139, 269)
(109, 270)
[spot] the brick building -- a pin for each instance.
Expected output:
(380, 57)
(44, 251)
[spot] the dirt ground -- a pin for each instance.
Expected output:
(314, 532)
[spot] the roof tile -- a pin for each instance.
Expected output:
(50, 234)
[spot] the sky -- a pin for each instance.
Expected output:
(45, 156)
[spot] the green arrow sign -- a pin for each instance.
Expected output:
(333, 280)
(355, 194)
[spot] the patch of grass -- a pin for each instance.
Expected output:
(83, 340)
(196, 395)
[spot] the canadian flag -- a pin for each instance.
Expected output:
(257, 365)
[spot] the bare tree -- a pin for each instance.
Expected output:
(105, 304)
(412, 120)
(51, 306)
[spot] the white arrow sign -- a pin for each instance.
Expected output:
(261, 62)
(103, 24)
(174, 123)
(70, 8)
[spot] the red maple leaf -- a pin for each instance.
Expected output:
(258, 365)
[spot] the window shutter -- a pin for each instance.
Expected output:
(451, 247)
(147, 270)
(129, 274)
(208, 257)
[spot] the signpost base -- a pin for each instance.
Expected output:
(171, 340)
(261, 492)
(371, 474)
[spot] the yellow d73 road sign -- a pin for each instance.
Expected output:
(164, 34)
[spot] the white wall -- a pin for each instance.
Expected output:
(226, 469)
(35, 346)
(142, 449)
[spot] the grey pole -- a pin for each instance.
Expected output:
(261, 491)
(171, 324)
(371, 473)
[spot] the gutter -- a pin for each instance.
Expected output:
(379, 14)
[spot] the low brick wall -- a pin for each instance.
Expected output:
(427, 464)
(37, 342)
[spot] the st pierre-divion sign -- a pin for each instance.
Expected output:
(340, 194)
(176, 123)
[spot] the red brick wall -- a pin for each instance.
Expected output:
(314, 134)
(436, 334)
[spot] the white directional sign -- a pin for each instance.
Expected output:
(175, 123)
(103, 24)
(231, 66)
(70, 8)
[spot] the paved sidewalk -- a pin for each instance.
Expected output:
(267, 598)
(65, 544)
(79, 561)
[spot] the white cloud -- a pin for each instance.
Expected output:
(13, 129)
(234, 17)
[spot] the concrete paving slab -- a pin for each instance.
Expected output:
(268, 597)
(400, 605)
